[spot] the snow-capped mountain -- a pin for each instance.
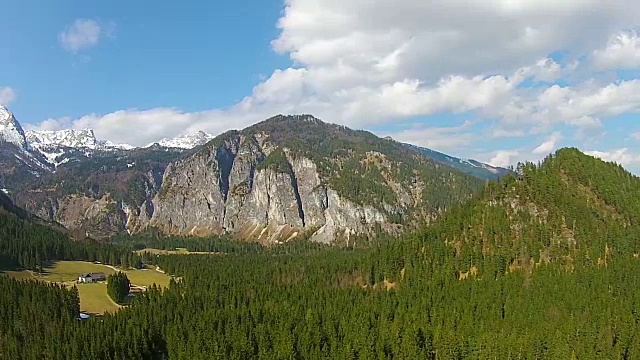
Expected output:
(18, 159)
(186, 141)
(10, 129)
(69, 138)
(57, 145)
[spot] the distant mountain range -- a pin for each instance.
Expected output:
(468, 166)
(285, 177)
(55, 146)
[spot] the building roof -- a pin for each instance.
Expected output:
(93, 275)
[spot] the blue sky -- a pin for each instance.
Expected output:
(499, 81)
(210, 55)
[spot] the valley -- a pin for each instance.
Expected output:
(306, 179)
(539, 252)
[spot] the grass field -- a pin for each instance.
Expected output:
(65, 271)
(147, 277)
(19, 275)
(177, 251)
(93, 297)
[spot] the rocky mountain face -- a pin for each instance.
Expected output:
(287, 177)
(291, 176)
(100, 194)
(284, 178)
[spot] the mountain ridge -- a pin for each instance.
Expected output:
(246, 179)
(282, 178)
(54, 145)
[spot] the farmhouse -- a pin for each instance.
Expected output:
(92, 277)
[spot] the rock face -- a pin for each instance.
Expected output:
(223, 189)
(284, 178)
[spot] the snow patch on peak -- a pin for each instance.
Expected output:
(111, 145)
(185, 141)
(69, 138)
(10, 129)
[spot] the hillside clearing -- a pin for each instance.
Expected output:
(93, 297)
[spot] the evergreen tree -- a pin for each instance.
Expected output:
(118, 286)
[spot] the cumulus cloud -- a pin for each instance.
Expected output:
(621, 156)
(504, 158)
(7, 95)
(622, 52)
(437, 138)
(365, 63)
(141, 127)
(84, 34)
(548, 145)
(432, 39)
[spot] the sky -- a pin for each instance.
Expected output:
(500, 81)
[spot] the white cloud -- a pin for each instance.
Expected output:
(622, 52)
(548, 145)
(583, 106)
(364, 63)
(437, 138)
(621, 156)
(433, 39)
(7, 95)
(504, 158)
(84, 34)
(141, 127)
(545, 69)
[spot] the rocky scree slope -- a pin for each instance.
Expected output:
(291, 176)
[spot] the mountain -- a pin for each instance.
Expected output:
(100, 194)
(467, 166)
(58, 146)
(10, 129)
(189, 141)
(67, 138)
(18, 161)
(286, 177)
(294, 175)
(7, 207)
(570, 209)
(71, 138)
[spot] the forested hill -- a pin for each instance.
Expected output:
(570, 208)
